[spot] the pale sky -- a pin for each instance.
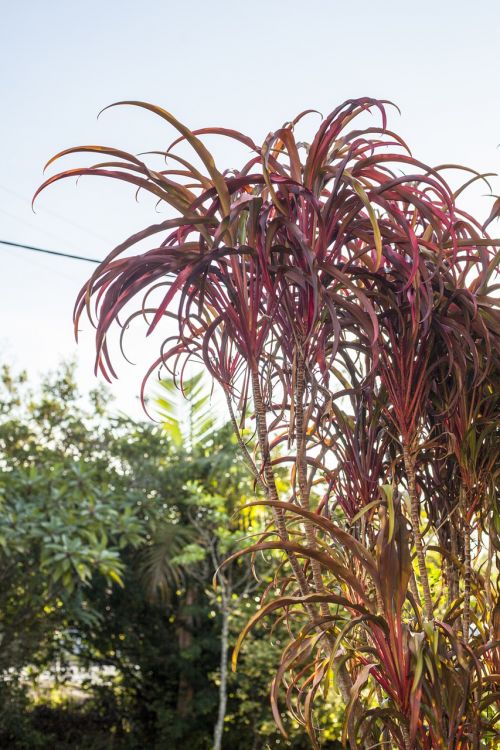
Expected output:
(245, 65)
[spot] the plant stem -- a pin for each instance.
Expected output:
(344, 679)
(409, 462)
(454, 552)
(487, 574)
(224, 647)
(270, 482)
(413, 587)
(467, 581)
(406, 737)
(244, 450)
(301, 459)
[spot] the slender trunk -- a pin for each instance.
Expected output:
(224, 647)
(467, 581)
(413, 587)
(300, 433)
(454, 574)
(487, 574)
(448, 581)
(447, 564)
(244, 450)
(301, 442)
(406, 738)
(270, 483)
(344, 679)
(415, 520)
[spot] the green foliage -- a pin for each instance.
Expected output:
(64, 513)
(17, 727)
(85, 496)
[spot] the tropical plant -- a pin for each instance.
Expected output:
(345, 302)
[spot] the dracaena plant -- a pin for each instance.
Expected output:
(345, 302)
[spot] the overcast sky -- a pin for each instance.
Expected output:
(248, 65)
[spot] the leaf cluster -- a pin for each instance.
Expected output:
(346, 303)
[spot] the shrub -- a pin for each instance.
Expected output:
(344, 301)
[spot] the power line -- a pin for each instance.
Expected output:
(48, 252)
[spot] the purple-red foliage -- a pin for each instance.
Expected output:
(338, 289)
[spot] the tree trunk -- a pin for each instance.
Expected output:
(406, 737)
(344, 680)
(185, 690)
(301, 463)
(271, 490)
(224, 647)
(467, 580)
(454, 571)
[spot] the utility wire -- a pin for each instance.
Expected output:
(48, 252)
